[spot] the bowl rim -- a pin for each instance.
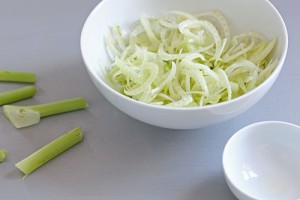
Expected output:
(275, 72)
(229, 144)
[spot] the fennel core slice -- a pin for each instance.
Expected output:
(50, 151)
(22, 116)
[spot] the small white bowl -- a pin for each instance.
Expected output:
(243, 15)
(262, 161)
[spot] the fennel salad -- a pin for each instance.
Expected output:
(180, 59)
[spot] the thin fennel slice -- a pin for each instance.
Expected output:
(18, 94)
(50, 151)
(22, 116)
(180, 59)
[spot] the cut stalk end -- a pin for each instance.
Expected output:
(3, 155)
(20, 116)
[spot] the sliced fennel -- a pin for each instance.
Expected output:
(3, 155)
(14, 76)
(49, 151)
(22, 116)
(16, 94)
(183, 60)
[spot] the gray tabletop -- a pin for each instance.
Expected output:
(119, 158)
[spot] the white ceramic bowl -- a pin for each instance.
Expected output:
(262, 161)
(244, 15)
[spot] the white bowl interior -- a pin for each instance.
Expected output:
(243, 16)
(262, 161)
(240, 14)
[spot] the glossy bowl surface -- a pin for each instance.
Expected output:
(262, 161)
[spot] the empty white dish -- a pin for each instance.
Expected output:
(262, 161)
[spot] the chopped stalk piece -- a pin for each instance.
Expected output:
(14, 76)
(50, 151)
(3, 155)
(16, 95)
(22, 116)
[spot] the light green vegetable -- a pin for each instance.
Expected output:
(14, 76)
(22, 116)
(16, 94)
(184, 60)
(3, 155)
(49, 151)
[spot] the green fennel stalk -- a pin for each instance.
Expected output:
(22, 116)
(17, 94)
(14, 76)
(50, 151)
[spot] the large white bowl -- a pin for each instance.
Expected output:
(244, 15)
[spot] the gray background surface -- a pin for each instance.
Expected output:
(120, 158)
